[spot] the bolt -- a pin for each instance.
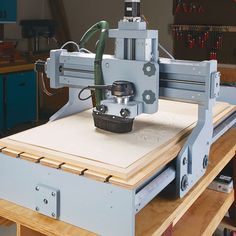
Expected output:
(53, 214)
(148, 68)
(185, 161)
(148, 97)
(45, 201)
(102, 108)
(205, 162)
(37, 188)
(36, 209)
(53, 194)
(124, 113)
(184, 183)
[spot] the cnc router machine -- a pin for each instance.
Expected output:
(127, 84)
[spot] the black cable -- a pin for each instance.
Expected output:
(80, 93)
(91, 88)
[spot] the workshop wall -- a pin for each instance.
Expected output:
(219, 15)
(26, 9)
(82, 14)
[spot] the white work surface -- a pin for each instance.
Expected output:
(77, 136)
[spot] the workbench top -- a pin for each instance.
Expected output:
(11, 68)
(188, 215)
(74, 144)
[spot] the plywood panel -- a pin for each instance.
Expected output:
(76, 135)
(75, 140)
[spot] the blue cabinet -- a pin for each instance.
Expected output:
(1, 103)
(18, 99)
(8, 11)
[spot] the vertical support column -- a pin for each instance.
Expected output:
(59, 16)
(1, 32)
(232, 210)
(169, 231)
(24, 231)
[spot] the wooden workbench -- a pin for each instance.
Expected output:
(198, 213)
(228, 73)
(74, 145)
(16, 68)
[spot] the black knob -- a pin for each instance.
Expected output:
(102, 108)
(124, 113)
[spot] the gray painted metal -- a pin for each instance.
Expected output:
(47, 200)
(188, 81)
(99, 207)
(151, 190)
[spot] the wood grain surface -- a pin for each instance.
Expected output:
(156, 217)
(205, 214)
(75, 140)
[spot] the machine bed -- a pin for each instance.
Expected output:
(74, 145)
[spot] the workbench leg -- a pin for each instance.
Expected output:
(168, 231)
(24, 231)
(232, 210)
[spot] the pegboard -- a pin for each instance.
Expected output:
(213, 13)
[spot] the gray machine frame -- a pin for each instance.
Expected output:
(137, 60)
(104, 208)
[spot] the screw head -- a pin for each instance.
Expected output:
(205, 162)
(36, 208)
(185, 161)
(102, 108)
(53, 194)
(124, 113)
(45, 201)
(37, 188)
(184, 183)
(53, 214)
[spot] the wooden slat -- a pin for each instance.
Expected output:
(205, 214)
(10, 152)
(156, 217)
(38, 222)
(31, 142)
(72, 169)
(1, 148)
(96, 176)
(228, 75)
(51, 163)
(5, 222)
(24, 231)
(30, 157)
(87, 173)
(228, 224)
(16, 68)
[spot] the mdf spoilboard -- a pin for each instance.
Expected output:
(75, 140)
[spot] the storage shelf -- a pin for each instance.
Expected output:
(210, 28)
(205, 214)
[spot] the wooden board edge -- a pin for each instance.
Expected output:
(217, 214)
(185, 203)
(10, 152)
